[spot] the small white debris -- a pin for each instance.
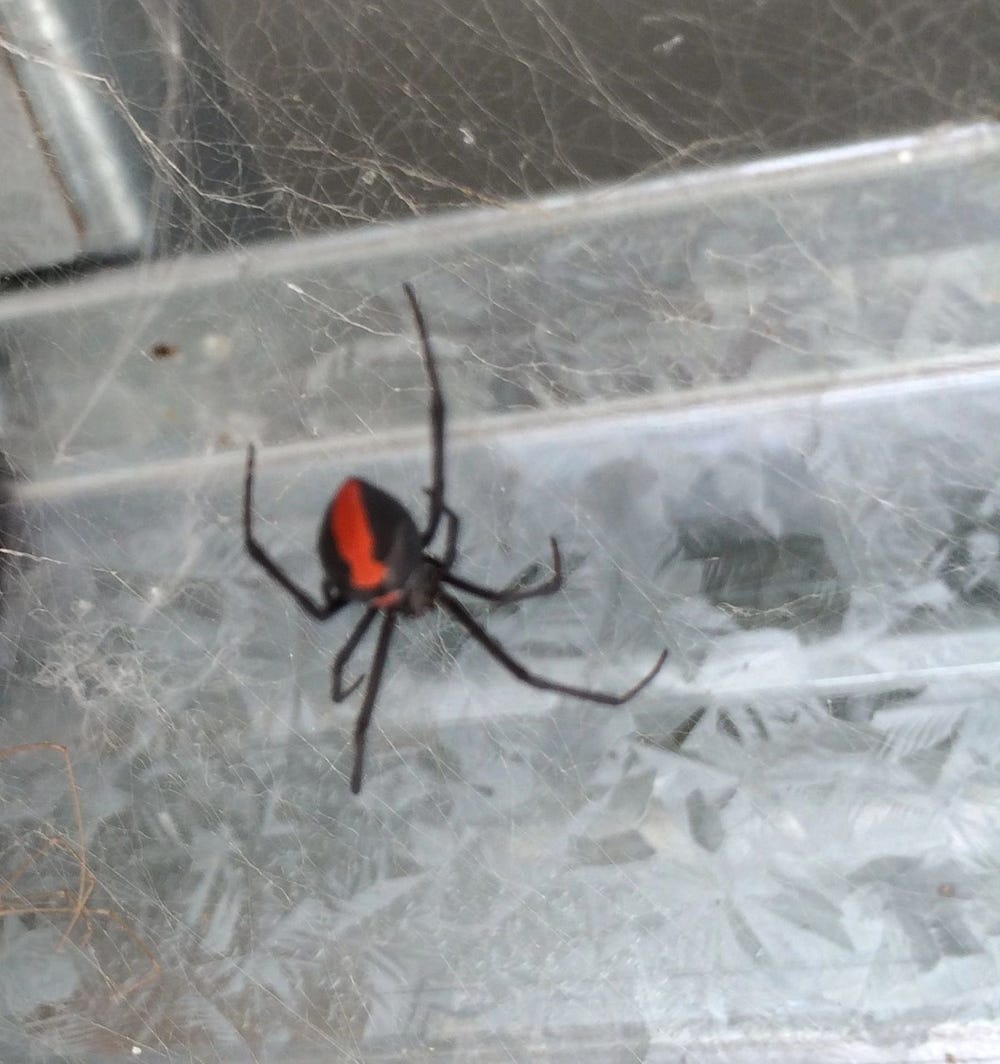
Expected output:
(666, 47)
(166, 822)
(216, 346)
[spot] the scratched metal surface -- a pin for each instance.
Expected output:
(786, 839)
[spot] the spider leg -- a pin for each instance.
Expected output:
(447, 559)
(321, 611)
(337, 692)
(436, 490)
(371, 693)
(550, 587)
(497, 652)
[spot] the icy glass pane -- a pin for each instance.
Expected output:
(758, 410)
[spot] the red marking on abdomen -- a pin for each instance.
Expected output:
(353, 536)
(388, 600)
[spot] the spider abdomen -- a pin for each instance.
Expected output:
(368, 542)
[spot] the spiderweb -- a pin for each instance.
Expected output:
(755, 405)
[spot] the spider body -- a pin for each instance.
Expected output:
(368, 545)
(372, 552)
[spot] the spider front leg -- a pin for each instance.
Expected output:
(321, 611)
(550, 587)
(450, 539)
(436, 490)
(368, 705)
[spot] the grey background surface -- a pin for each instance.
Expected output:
(754, 401)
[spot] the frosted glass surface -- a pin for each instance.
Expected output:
(758, 409)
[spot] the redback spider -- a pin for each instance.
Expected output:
(372, 552)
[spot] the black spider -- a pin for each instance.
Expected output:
(372, 552)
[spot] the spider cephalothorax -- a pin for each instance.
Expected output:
(373, 553)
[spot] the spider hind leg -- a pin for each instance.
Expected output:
(499, 654)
